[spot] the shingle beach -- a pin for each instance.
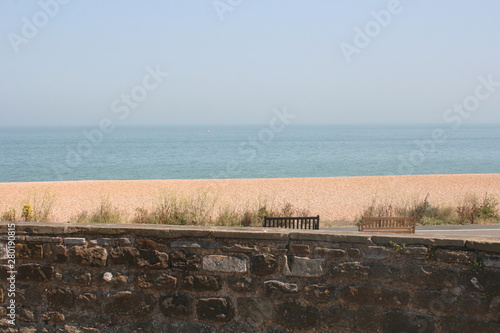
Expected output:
(334, 199)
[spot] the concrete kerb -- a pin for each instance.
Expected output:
(483, 245)
(37, 229)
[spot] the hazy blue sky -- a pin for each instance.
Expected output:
(233, 61)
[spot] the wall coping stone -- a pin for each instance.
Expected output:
(488, 244)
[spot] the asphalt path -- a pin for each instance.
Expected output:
(490, 231)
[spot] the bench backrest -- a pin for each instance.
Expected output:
(308, 222)
(394, 224)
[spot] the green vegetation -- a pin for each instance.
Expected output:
(396, 246)
(472, 210)
(104, 213)
(37, 208)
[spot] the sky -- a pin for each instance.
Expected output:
(197, 62)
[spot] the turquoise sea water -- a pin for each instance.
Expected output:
(183, 152)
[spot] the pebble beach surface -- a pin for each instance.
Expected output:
(334, 199)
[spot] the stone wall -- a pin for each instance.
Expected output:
(125, 278)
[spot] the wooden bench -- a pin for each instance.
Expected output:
(388, 224)
(292, 222)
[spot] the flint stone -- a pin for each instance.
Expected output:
(298, 266)
(221, 263)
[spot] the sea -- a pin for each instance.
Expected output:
(256, 151)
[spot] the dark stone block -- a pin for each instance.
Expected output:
(129, 303)
(370, 295)
(278, 330)
(368, 319)
(88, 301)
(263, 264)
(338, 316)
(242, 284)
(460, 257)
(53, 318)
(485, 280)
(77, 277)
(202, 283)
(354, 253)
(124, 255)
(364, 271)
(29, 294)
(255, 309)
(152, 259)
(319, 293)
(187, 327)
(150, 244)
(274, 288)
(302, 250)
(29, 251)
(459, 324)
(402, 321)
(185, 261)
(237, 328)
(443, 302)
(157, 280)
(429, 276)
(60, 253)
(60, 298)
(294, 315)
(215, 309)
(95, 256)
(34, 272)
(176, 305)
(330, 253)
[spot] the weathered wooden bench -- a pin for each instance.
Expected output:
(311, 222)
(388, 224)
